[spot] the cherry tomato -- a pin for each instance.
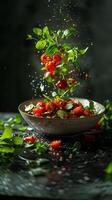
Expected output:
(78, 111)
(87, 112)
(50, 106)
(45, 58)
(61, 84)
(60, 103)
(51, 67)
(30, 139)
(56, 58)
(56, 144)
(38, 112)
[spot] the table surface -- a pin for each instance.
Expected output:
(79, 177)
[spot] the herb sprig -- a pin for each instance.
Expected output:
(55, 43)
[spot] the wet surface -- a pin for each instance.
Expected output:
(71, 176)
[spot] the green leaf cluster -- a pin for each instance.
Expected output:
(56, 41)
(106, 120)
(8, 142)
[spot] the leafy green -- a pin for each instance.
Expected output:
(91, 105)
(2, 122)
(17, 140)
(7, 149)
(18, 119)
(106, 120)
(46, 32)
(83, 51)
(38, 171)
(41, 147)
(52, 49)
(108, 169)
(68, 32)
(37, 31)
(40, 44)
(22, 128)
(7, 133)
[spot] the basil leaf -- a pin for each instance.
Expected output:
(91, 105)
(108, 169)
(40, 44)
(51, 50)
(7, 133)
(2, 122)
(83, 51)
(17, 140)
(6, 149)
(37, 31)
(46, 32)
(18, 119)
(22, 129)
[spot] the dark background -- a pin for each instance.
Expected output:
(18, 60)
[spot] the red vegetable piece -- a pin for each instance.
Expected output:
(45, 58)
(56, 144)
(50, 106)
(78, 111)
(30, 139)
(56, 58)
(61, 84)
(38, 112)
(60, 103)
(87, 112)
(40, 104)
(51, 67)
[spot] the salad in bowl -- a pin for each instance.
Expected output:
(58, 111)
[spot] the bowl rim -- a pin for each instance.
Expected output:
(43, 118)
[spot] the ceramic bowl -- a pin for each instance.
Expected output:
(57, 126)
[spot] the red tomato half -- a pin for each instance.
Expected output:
(61, 84)
(50, 106)
(57, 58)
(38, 112)
(40, 104)
(30, 139)
(56, 144)
(51, 67)
(60, 103)
(45, 58)
(78, 111)
(87, 112)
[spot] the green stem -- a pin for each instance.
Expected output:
(48, 98)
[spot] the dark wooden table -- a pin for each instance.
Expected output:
(79, 177)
